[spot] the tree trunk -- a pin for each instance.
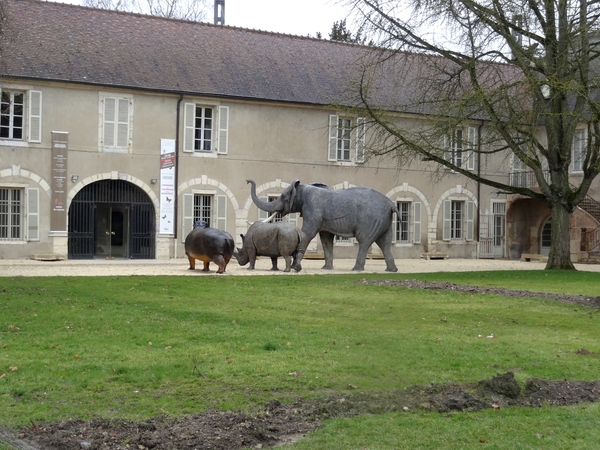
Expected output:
(560, 251)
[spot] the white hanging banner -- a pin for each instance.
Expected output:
(167, 186)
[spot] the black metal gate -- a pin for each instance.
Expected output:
(111, 218)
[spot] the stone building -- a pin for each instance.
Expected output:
(118, 131)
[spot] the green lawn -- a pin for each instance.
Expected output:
(135, 347)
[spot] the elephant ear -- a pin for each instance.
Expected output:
(295, 185)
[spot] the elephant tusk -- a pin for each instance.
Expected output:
(270, 217)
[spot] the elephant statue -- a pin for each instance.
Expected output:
(209, 245)
(269, 239)
(359, 212)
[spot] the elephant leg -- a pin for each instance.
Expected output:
(308, 234)
(327, 243)
(274, 263)
(363, 248)
(295, 263)
(385, 243)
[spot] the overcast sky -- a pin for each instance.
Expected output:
(300, 17)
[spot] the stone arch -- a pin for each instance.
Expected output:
(206, 181)
(115, 176)
(16, 171)
(458, 189)
(455, 190)
(405, 187)
(112, 215)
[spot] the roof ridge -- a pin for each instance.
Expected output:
(176, 19)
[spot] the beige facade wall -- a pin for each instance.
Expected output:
(272, 144)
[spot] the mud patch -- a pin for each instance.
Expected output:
(436, 285)
(279, 424)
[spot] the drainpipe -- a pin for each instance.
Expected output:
(478, 185)
(176, 181)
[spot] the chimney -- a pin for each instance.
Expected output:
(518, 22)
(219, 12)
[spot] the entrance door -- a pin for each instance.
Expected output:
(111, 231)
(546, 238)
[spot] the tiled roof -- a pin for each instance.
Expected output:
(63, 42)
(74, 44)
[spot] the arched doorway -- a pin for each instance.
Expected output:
(546, 237)
(111, 219)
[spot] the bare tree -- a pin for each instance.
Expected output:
(194, 10)
(526, 70)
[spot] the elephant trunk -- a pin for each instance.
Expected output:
(265, 206)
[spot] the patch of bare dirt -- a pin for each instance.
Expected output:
(279, 424)
(438, 285)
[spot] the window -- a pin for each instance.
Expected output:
(578, 151)
(407, 225)
(519, 173)
(205, 129)
(14, 118)
(403, 222)
(460, 145)
(499, 213)
(18, 223)
(343, 139)
(206, 206)
(117, 115)
(203, 208)
(458, 220)
(203, 126)
(346, 139)
(11, 125)
(11, 211)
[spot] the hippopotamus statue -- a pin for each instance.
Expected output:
(209, 245)
(269, 239)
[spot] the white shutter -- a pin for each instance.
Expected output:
(189, 116)
(187, 224)
(122, 123)
(395, 224)
(221, 212)
(470, 220)
(447, 148)
(472, 142)
(223, 143)
(262, 215)
(447, 222)
(416, 222)
(33, 214)
(293, 219)
(333, 131)
(35, 116)
(360, 139)
(110, 111)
